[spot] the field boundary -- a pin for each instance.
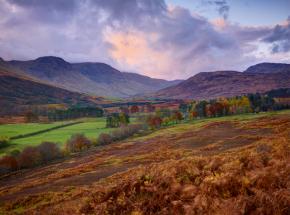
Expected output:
(43, 131)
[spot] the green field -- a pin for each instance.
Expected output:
(11, 130)
(90, 127)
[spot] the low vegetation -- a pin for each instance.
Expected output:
(228, 165)
(33, 156)
(251, 181)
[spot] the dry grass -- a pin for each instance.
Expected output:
(251, 181)
(247, 179)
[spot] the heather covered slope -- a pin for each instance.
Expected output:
(93, 78)
(207, 85)
(237, 164)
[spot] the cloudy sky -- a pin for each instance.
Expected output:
(168, 39)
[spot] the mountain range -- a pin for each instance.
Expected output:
(206, 85)
(52, 80)
(89, 78)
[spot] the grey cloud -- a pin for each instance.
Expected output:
(221, 5)
(194, 34)
(131, 9)
(280, 38)
(51, 11)
(223, 8)
(61, 5)
(193, 43)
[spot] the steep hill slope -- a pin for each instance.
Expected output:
(17, 91)
(92, 78)
(208, 85)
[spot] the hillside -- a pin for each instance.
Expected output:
(208, 85)
(17, 92)
(268, 68)
(93, 78)
(229, 165)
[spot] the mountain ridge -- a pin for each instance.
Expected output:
(209, 85)
(89, 77)
(267, 67)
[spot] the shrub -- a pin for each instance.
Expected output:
(154, 121)
(14, 153)
(134, 109)
(31, 117)
(126, 131)
(7, 164)
(48, 151)
(4, 141)
(29, 157)
(77, 142)
(104, 139)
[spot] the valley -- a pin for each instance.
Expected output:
(144, 107)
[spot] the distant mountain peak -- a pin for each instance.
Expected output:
(49, 63)
(50, 58)
(266, 67)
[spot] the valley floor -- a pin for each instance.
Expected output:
(223, 166)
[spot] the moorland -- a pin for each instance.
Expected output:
(216, 143)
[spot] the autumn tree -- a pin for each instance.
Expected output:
(124, 119)
(154, 121)
(177, 116)
(150, 108)
(192, 115)
(134, 109)
(29, 157)
(31, 117)
(104, 139)
(48, 151)
(77, 142)
(8, 163)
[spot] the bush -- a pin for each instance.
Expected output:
(104, 139)
(4, 142)
(154, 122)
(48, 151)
(7, 164)
(14, 153)
(29, 157)
(126, 131)
(77, 143)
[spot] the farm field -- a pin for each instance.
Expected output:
(212, 166)
(91, 127)
(10, 130)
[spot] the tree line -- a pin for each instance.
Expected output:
(74, 113)
(251, 103)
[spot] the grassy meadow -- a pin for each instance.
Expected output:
(90, 127)
(10, 130)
